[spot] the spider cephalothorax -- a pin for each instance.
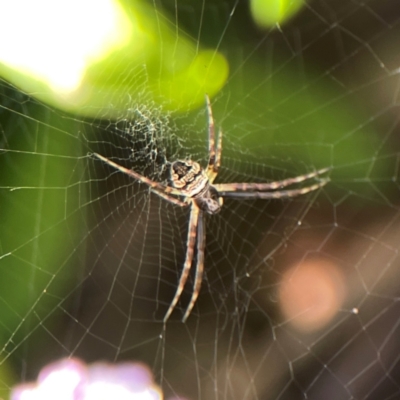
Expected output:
(209, 201)
(192, 185)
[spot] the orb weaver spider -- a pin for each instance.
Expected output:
(193, 186)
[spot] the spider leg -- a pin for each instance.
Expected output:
(212, 171)
(247, 187)
(214, 151)
(273, 195)
(201, 243)
(219, 151)
(140, 178)
(169, 198)
(211, 136)
(191, 241)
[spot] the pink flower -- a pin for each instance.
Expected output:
(71, 379)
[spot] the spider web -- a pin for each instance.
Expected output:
(300, 297)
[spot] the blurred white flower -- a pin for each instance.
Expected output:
(71, 379)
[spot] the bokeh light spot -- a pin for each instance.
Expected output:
(311, 293)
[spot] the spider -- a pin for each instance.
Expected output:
(193, 186)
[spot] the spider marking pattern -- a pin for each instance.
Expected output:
(193, 186)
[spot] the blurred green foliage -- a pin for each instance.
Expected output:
(268, 13)
(41, 220)
(154, 60)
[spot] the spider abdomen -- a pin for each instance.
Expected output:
(189, 178)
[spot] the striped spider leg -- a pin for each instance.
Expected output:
(195, 185)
